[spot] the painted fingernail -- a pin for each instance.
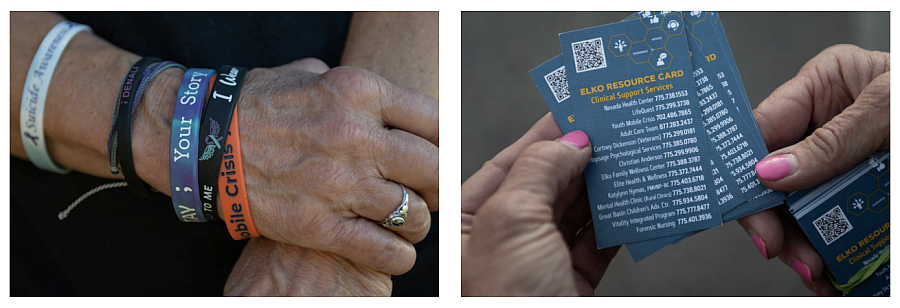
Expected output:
(818, 293)
(576, 138)
(760, 245)
(774, 168)
(801, 270)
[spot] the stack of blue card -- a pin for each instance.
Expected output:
(674, 140)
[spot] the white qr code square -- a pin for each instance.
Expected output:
(558, 84)
(832, 225)
(589, 55)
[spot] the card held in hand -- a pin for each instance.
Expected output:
(649, 174)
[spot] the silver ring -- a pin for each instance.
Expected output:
(398, 217)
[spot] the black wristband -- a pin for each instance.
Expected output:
(126, 101)
(219, 109)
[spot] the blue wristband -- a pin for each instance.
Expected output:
(183, 177)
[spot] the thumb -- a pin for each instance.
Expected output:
(851, 136)
(538, 175)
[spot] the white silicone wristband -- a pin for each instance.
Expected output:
(31, 115)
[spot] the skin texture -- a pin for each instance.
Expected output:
(402, 47)
(322, 151)
(831, 116)
(284, 270)
(522, 219)
(371, 50)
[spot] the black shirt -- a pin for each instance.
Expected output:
(118, 244)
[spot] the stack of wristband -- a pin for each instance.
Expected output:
(204, 157)
(199, 173)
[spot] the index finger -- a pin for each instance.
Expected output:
(783, 117)
(827, 84)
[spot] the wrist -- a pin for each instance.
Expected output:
(151, 129)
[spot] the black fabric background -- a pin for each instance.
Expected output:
(118, 244)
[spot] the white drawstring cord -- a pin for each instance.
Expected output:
(62, 215)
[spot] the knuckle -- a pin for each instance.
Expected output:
(387, 256)
(826, 144)
(842, 48)
(509, 210)
(542, 153)
(344, 236)
(350, 80)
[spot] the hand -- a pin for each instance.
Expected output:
(827, 119)
(323, 154)
(521, 214)
(270, 268)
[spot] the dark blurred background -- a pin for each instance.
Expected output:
(500, 103)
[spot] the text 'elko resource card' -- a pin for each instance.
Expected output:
(733, 142)
(649, 174)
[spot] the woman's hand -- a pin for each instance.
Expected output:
(270, 268)
(323, 156)
(521, 216)
(827, 119)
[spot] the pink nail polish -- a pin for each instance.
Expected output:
(773, 168)
(575, 138)
(760, 245)
(802, 270)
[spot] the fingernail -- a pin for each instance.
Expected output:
(760, 244)
(774, 168)
(576, 138)
(818, 293)
(801, 270)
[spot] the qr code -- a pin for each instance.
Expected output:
(832, 225)
(589, 55)
(558, 84)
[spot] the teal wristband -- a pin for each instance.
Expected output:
(183, 176)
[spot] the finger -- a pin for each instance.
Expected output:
(540, 173)
(764, 228)
(481, 185)
(853, 135)
(799, 254)
(312, 65)
(825, 85)
(568, 198)
(373, 246)
(823, 287)
(588, 262)
(412, 161)
(577, 217)
(783, 117)
(412, 111)
(383, 197)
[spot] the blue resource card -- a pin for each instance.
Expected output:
(719, 120)
(847, 218)
(714, 46)
(550, 79)
(649, 174)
